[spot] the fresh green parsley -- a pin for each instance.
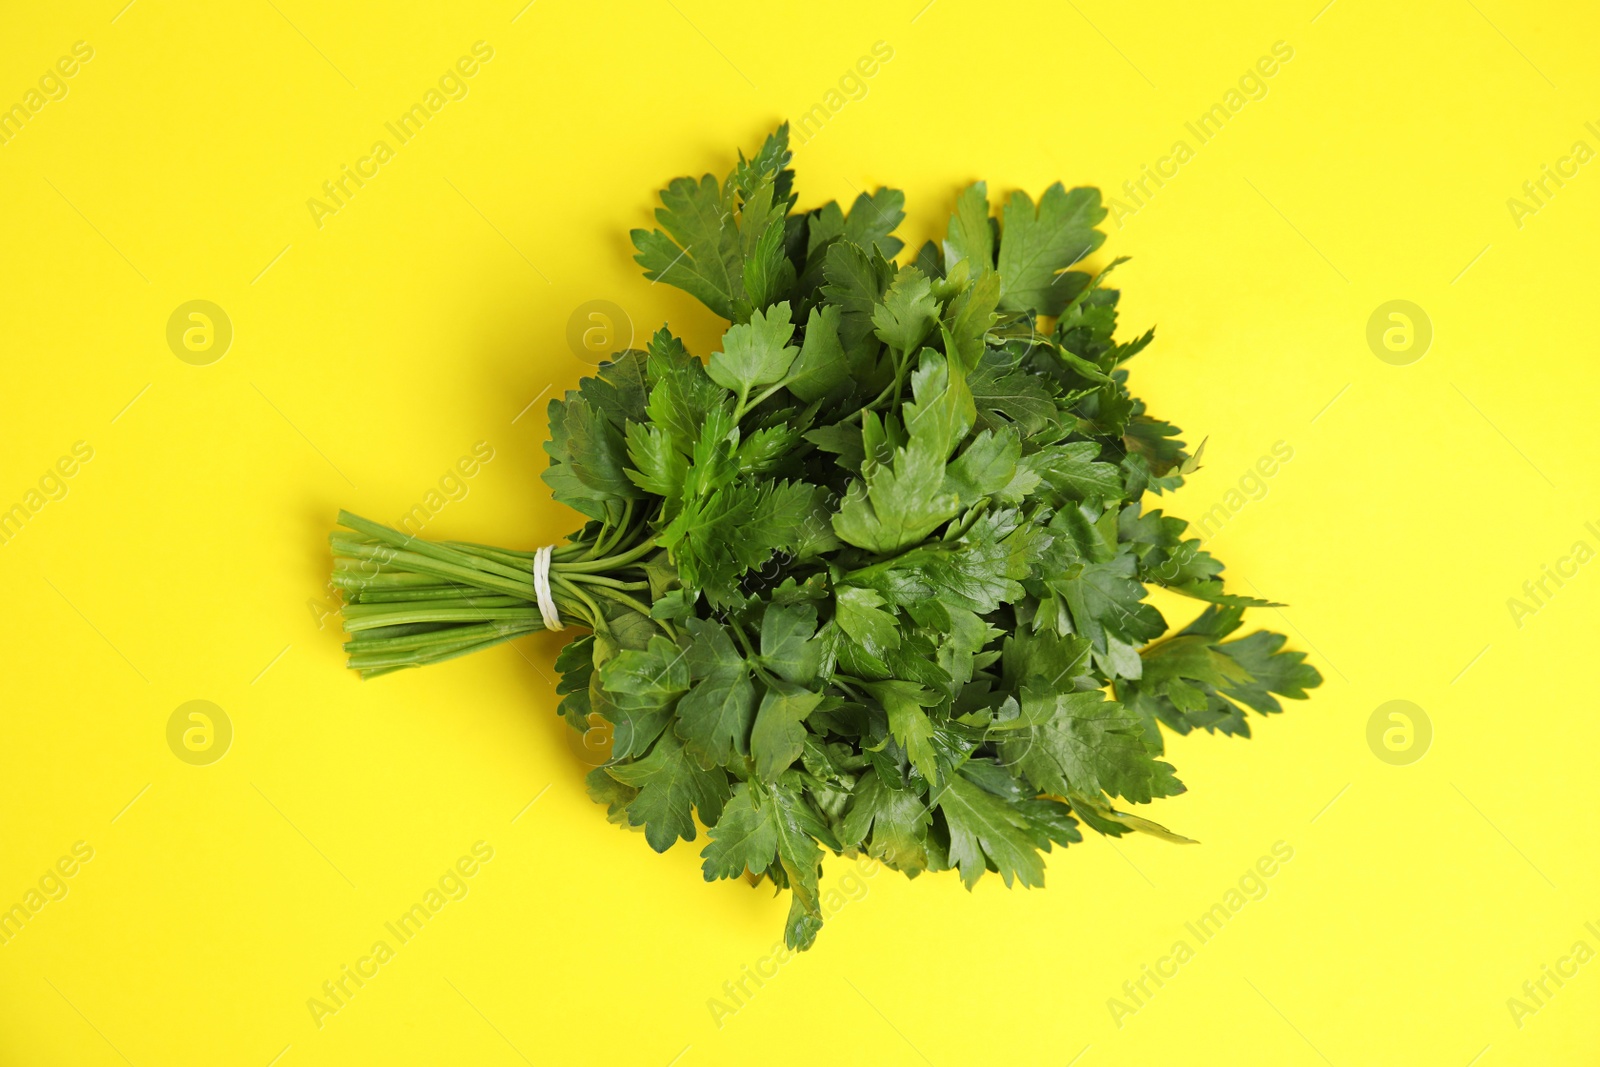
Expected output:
(871, 577)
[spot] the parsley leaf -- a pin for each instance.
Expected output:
(986, 833)
(669, 784)
(1038, 244)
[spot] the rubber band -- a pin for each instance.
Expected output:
(541, 588)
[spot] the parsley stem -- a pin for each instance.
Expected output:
(409, 601)
(886, 563)
(608, 536)
(612, 583)
(744, 407)
(744, 641)
(371, 664)
(427, 564)
(901, 365)
(750, 652)
(609, 563)
(432, 614)
(624, 599)
(408, 545)
(366, 610)
(453, 635)
(848, 684)
(620, 532)
(510, 557)
(890, 390)
(596, 617)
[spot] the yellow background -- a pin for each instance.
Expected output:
(188, 561)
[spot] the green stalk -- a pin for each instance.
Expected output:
(595, 614)
(427, 592)
(609, 583)
(454, 635)
(425, 614)
(609, 563)
(372, 664)
(409, 601)
(413, 602)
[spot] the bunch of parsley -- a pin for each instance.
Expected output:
(872, 577)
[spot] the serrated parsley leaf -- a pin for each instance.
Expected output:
(898, 506)
(642, 686)
(856, 283)
(755, 353)
(1005, 395)
(681, 393)
(699, 252)
(786, 645)
(988, 467)
(904, 701)
(1269, 670)
(986, 833)
(1036, 245)
(892, 823)
(798, 832)
(779, 734)
(595, 450)
(669, 784)
(1083, 743)
(822, 368)
(941, 410)
(859, 613)
(723, 241)
(968, 318)
(744, 839)
(908, 312)
(1073, 471)
(971, 237)
(658, 467)
(873, 219)
(1105, 600)
(714, 716)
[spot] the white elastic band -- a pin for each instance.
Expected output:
(541, 588)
